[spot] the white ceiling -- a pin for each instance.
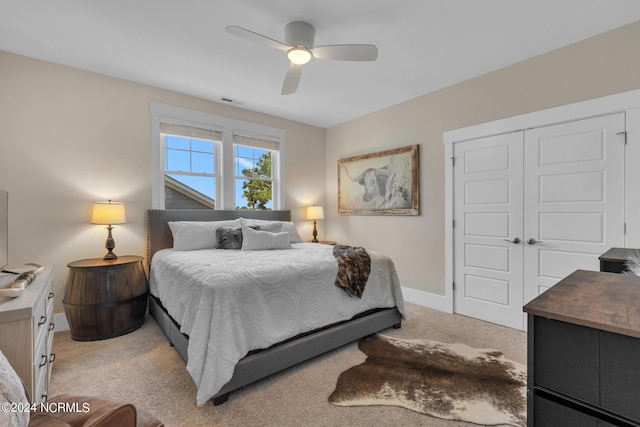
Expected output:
(181, 45)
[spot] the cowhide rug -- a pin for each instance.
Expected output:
(450, 381)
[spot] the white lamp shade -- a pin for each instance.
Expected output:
(315, 212)
(108, 213)
(299, 55)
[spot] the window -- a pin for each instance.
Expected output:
(254, 161)
(209, 162)
(190, 170)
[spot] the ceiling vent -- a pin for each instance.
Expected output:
(230, 101)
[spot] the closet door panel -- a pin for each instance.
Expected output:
(488, 217)
(574, 198)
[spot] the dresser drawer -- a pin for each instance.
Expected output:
(620, 374)
(41, 368)
(40, 324)
(548, 413)
(41, 355)
(567, 359)
(52, 357)
(551, 414)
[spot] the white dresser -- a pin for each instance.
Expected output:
(26, 333)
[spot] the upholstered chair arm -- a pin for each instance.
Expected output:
(86, 411)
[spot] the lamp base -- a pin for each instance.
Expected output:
(315, 233)
(110, 245)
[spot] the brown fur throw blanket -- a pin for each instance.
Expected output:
(354, 265)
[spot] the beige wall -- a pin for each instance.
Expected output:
(596, 67)
(70, 137)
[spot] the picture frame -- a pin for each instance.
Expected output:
(381, 183)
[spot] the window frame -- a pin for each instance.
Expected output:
(215, 153)
(275, 158)
(225, 181)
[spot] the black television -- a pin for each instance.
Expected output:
(4, 229)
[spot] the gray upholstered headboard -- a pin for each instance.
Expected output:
(159, 235)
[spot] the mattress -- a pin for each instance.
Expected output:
(230, 302)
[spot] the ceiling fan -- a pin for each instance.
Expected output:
(299, 47)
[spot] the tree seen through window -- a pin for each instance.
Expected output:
(254, 181)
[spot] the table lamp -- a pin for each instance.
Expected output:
(314, 213)
(108, 213)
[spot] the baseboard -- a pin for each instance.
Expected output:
(428, 299)
(60, 321)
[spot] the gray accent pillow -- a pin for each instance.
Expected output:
(230, 237)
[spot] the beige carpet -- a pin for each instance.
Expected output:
(144, 369)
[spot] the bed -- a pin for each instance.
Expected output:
(184, 310)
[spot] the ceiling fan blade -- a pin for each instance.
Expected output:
(255, 37)
(346, 52)
(292, 79)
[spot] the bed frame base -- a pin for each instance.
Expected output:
(258, 365)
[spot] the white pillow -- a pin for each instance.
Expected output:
(294, 237)
(12, 393)
(255, 240)
(270, 226)
(192, 235)
(287, 226)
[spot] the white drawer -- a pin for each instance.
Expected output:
(49, 310)
(49, 299)
(41, 354)
(40, 324)
(40, 391)
(52, 356)
(40, 367)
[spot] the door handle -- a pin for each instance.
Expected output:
(533, 241)
(514, 241)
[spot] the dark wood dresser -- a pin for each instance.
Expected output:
(583, 355)
(615, 259)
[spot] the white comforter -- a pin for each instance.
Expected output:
(230, 302)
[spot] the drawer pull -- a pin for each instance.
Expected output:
(44, 360)
(51, 295)
(42, 321)
(44, 397)
(52, 326)
(52, 357)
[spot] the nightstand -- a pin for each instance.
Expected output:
(105, 298)
(326, 242)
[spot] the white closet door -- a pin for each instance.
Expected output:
(488, 245)
(574, 198)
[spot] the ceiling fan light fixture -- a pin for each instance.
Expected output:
(300, 48)
(299, 55)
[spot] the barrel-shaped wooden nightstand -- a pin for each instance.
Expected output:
(105, 299)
